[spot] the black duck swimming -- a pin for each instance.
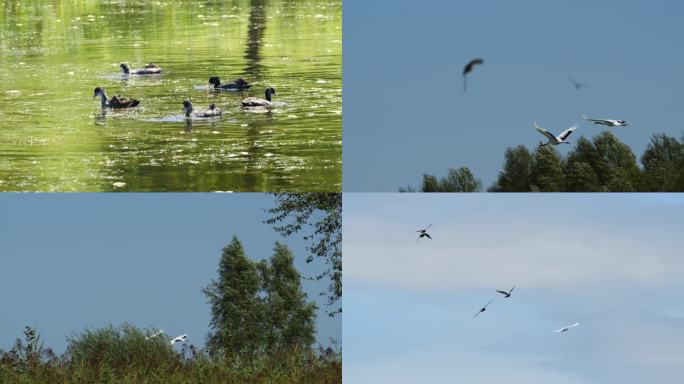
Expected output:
(114, 102)
(238, 84)
(150, 69)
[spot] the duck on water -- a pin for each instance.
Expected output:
(114, 102)
(259, 102)
(150, 69)
(209, 112)
(237, 85)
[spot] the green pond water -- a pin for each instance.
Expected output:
(55, 137)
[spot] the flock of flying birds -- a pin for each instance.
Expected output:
(506, 294)
(563, 136)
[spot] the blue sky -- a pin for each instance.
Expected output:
(610, 262)
(72, 261)
(405, 112)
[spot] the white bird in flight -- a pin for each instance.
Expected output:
(555, 140)
(607, 122)
(565, 329)
(177, 339)
(155, 334)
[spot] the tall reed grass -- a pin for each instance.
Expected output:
(123, 355)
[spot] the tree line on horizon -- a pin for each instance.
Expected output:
(603, 164)
(262, 329)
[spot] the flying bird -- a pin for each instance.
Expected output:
(607, 122)
(577, 84)
(423, 233)
(154, 335)
(181, 339)
(507, 294)
(483, 308)
(469, 68)
(565, 329)
(555, 140)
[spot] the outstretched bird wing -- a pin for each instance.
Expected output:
(511, 291)
(428, 236)
(469, 67)
(503, 293)
(567, 327)
(564, 135)
(585, 117)
(545, 132)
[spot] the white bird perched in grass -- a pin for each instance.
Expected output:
(555, 140)
(565, 329)
(152, 336)
(179, 339)
(607, 122)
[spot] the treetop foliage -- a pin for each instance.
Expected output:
(319, 217)
(603, 164)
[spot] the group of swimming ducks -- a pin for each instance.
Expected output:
(240, 84)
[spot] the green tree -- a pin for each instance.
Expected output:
(612, 162)
(456, 180)
(322, 212)
(407, 189)
(616, 168)
(662, 161)
(547, 171)
(580, 177)
(460, 180)
(237, 310)
(516, 175)
(289, 318)
(429, 184)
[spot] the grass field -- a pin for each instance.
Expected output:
(124, 355)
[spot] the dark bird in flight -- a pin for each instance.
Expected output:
(483, 308)
(423, 232)
(507, 294)
(577, 84)
(469, 68)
